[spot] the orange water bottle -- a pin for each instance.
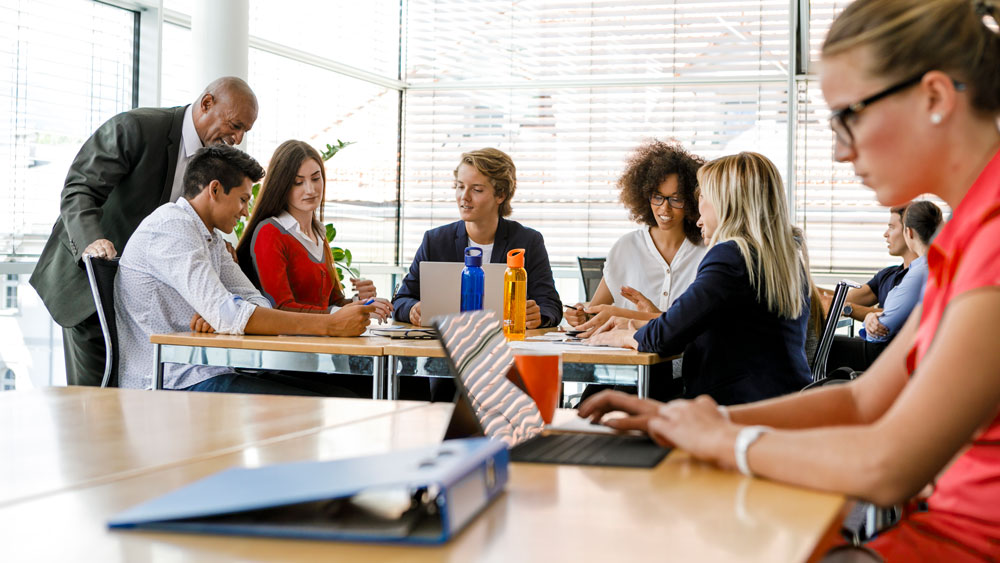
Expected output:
(515, 295)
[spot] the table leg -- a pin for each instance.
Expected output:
(158, 383)
(392, 379)
(642, 385)
(378, 377)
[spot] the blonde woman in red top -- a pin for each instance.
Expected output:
(284, 251)
(914, 86)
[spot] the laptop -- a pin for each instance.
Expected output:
(491, 401)
(441, 289)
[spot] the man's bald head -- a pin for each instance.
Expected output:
(225, 111)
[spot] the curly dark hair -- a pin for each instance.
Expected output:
(647, 168)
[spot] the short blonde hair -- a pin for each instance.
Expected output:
(499, 168)
(907, 37)
(749, 200)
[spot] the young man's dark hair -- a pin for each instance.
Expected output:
(229, 165)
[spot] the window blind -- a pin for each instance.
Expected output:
(843, 222)
(65, 68)
(498, 41)
(320, 107)
(609, 75)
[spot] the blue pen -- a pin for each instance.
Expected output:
(370, 301)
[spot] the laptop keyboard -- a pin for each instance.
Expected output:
(590, 449)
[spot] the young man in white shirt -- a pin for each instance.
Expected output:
(176, 274)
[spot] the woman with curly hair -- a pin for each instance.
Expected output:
(658, 189)
(741, 324)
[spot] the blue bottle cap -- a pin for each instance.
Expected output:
(474, 256)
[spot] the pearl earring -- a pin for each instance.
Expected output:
(936, 118)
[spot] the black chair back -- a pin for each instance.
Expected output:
(591, 271)
(101, 273)
(829, 328)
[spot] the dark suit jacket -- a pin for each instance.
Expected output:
(122, 173)
(447, 244)
(734, 348)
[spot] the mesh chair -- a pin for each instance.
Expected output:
(826, 339)
(591, 272)
(101, 273)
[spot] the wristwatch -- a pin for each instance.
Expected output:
(744, 440)
(848, 310)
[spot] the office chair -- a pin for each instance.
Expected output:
(826, 339)
(101, 273)
(591, 272)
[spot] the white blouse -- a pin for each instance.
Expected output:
(634, 261)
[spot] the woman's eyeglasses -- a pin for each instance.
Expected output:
(840, 119)
(675, 202)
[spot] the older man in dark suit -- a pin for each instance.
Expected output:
(130, 166)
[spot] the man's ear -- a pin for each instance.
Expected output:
(207, 101)
(214, 189)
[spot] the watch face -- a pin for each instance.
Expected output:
(848, 310)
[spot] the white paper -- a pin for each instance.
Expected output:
(555, 347)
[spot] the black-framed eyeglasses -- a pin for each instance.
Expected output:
(840, 119)
(658, 199)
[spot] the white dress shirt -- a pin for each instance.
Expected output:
(634, 261)
(172, 268)
(190, 143)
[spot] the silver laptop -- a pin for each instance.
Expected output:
(491, 401)
(441, 289)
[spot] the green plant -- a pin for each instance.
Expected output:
(342, 257)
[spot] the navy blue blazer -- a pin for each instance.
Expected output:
(734, 348)
(448, 243)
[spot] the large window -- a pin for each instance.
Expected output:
(569, 145)
(569, 89)
(842, 220)
(300, 97)
(319, 106)
(65, 68)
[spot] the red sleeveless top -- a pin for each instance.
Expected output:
(963, 520)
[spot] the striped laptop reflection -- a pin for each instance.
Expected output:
(491, 401)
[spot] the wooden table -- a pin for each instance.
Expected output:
(318, 354)
(642, 361)
(61, 438)
(293, 353)
(681, 510)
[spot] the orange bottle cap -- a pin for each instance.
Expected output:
(515, 258)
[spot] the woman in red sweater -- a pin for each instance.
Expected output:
(284, 251)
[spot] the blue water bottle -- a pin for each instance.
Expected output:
(472, 280)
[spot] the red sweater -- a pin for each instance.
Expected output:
(290, 277)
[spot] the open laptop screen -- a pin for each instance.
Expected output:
(478, 352)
